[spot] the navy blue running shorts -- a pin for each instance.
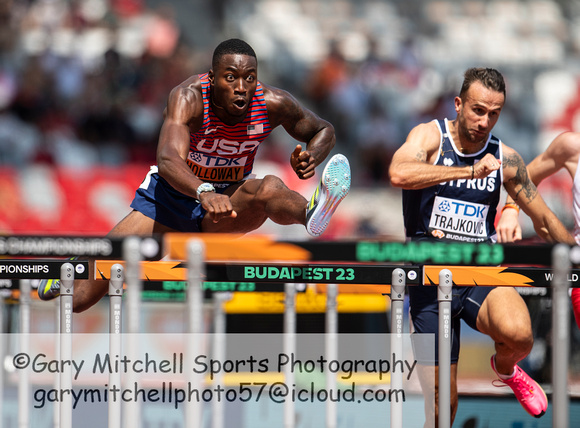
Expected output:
(424, 308)
(156, 199)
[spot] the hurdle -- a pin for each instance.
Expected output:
(23, 378)
(456, 277)
(446, 283)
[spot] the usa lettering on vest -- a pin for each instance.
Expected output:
(227, 147)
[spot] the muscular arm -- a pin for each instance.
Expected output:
(524, 192)
(412, 165)
(302, 125)
(184, 106)
(563, 152)
(184, 111)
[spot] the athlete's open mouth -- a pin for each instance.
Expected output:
(240, 103)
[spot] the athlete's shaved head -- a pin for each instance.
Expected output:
(488, 77)
(231, 47)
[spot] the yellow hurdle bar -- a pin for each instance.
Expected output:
(308, 302)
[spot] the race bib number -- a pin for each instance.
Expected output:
(458, 220)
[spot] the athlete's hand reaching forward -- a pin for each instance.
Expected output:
(303, 163)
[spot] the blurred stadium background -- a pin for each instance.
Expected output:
(83, 84)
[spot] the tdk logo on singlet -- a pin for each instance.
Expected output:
(453, 218)
(462, 208)
(215, 161)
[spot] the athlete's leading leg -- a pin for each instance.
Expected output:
(255, 201)
(505, 318)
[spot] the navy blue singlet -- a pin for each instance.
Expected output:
(458, 210)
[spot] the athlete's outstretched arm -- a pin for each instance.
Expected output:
(412, 165)
(563, 152)
(302, 125)
(524, 192)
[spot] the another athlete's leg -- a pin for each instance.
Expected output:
(429, 380)
(88, 292)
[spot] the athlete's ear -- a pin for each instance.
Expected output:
(210, 76)
(458, 102)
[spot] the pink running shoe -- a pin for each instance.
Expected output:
(576, 305)
(530, 395)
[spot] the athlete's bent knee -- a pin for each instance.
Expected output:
(270, 187)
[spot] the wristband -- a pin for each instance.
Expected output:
(511, 205)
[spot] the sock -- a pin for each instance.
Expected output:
(503, 376)
(576, 305)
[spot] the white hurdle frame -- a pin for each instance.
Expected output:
(289, 347)
(398, 283)
(444, 298)
(67, 277)
(132, 255)
(115, 342)
(194, 298)
(331, 350)
(560, 336)
(23, 376)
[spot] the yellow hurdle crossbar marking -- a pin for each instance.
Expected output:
(307, 302)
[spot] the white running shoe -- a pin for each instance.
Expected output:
(332, 189)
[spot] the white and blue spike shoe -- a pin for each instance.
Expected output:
(49, 289)
(332, 189)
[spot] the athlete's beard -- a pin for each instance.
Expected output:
(467, 136)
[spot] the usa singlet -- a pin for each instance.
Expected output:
(458, 210)
(223, 154)
(218, 153)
